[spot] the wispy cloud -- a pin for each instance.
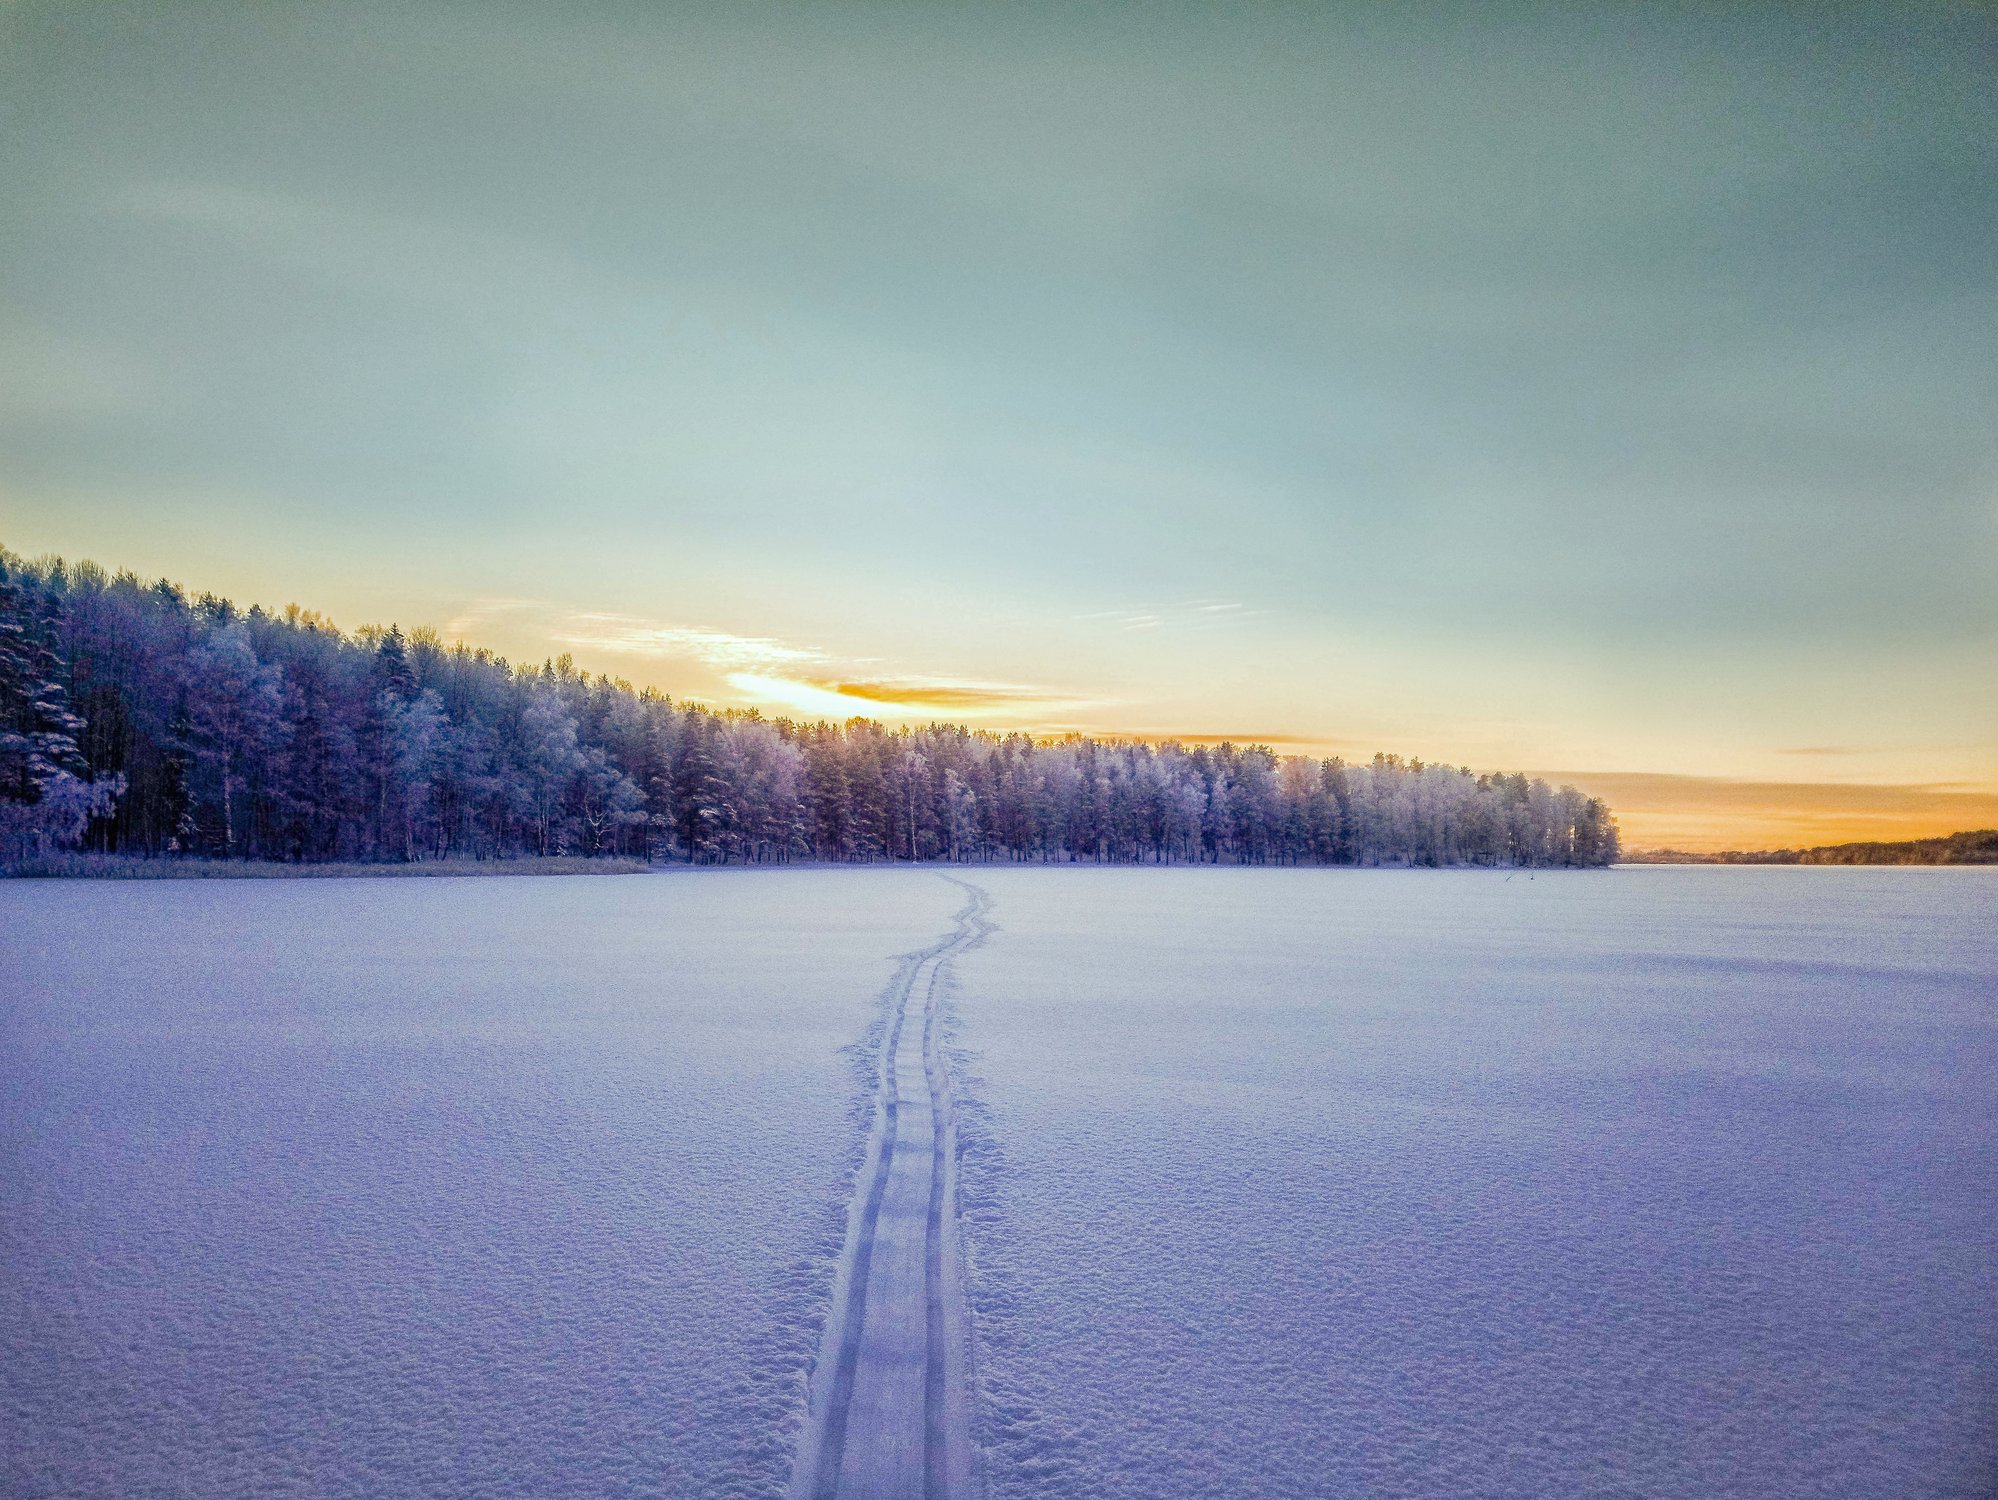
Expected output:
(765, 670)
(1123, 619)
(629, 635)
(1186, 613)
(479, 613)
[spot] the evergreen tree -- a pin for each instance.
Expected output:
(246, 732)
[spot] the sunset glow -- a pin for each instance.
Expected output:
(937, 752)
(1631, 418)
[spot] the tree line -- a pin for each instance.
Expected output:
(1973, 847)
(137, 719)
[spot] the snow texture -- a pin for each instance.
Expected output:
(453, 1187)
(1642, 1182)
(1274, 1182)
(888, 1413)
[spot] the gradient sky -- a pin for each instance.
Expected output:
(1605, 392)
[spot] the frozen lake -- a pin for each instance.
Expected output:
(1640, 1182)
(1274, 1182)
(502, 1187)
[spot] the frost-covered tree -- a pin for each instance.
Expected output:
(420, 744)
(46, 799)
(247, 732)
(549, 759)
(237, 703)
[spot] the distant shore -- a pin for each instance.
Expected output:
(71, 866)
(1979, 847)
(78, 866)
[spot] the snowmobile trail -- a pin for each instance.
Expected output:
(889, 1414)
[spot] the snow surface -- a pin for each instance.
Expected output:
(451, 1187)
(889, 1412)
(1659, 1182)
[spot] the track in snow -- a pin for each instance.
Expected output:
(889, 1416)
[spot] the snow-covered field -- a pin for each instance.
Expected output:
(1647, 1182)
(455, 1187)
(1275, 1182)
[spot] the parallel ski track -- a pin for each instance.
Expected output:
(889, 1418)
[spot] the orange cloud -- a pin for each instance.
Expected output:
(952, 695)
(901, 698)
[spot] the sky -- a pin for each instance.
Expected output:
(1605, 392)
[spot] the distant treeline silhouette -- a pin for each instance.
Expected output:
(1977, 847)
(135, 719)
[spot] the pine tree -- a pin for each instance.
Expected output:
(283, 733)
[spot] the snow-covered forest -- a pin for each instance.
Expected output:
(136, 719)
